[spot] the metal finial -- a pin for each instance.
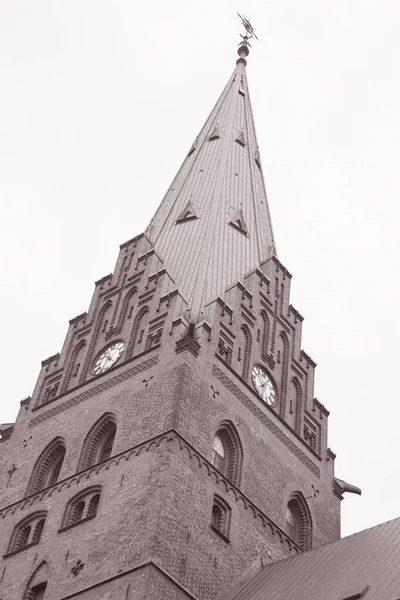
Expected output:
(250, 33)
(244, 45)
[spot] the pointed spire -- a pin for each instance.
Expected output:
(212, 242)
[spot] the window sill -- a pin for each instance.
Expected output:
(227, 540)
(20, 549)
(76, 523)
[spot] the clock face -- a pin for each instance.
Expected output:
(108, 358)
(263, 385)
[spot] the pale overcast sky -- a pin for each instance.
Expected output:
(101, 100)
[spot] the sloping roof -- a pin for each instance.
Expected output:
(196, 230)
(337, 571)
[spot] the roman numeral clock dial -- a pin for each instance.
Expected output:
(263, 385)
(108, 357)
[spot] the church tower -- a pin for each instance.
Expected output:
(174, 445)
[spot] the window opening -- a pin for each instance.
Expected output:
(27, 533)
(298, 521)
(107, 447)
(220, 517)
(291, 528)
(93, 505)
(55, 472)
(219, 454)
(81, 508)
(37, 593)
(227, 452)
(99, 442)
(47, 469)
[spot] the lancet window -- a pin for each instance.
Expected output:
(27, 532)
(244, 351)
(227, 453)
(37, 593)
(83, 506)
(47, 469)
(298, 521)
(220, 516)
(36, 588)
(99, 442)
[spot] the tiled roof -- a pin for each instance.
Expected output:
(213, 225)
(363, 565)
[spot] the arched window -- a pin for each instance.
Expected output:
(220, 516)
(81, 507)
(37, 532)
(136, 342)
(227, 452)
(98, 330)
(107, 446)
(47, 469)
(36, 588)
(292, 526)
(99, 442)
(93, 505)
(245, 350)
(37, 593)
(74, 365)
(298, 521)
(219, 454)
(27, 533)
(265, 335)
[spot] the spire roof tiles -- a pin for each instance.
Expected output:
(221, 177)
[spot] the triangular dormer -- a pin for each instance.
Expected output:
(189, 213)
(237, 221)
(240, 139)
(215, 134)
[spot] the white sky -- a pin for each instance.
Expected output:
(101, 100)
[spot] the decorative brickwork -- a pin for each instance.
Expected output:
(265, 335)
(120, 488)
(135, 331)
(167, 437)
(98, 442)
(94, 338)
(70, 371)
(27, 532)
(234, 451)
(48, 466)
(298, 406)
(93, 391)
(310, 434)
(246, 351)
(153, 339)
(265, 420)
(299, 508)
(82, 506)
(37, 582)
(187, 343)
(285, 368)
(125, 306)
(225, 351)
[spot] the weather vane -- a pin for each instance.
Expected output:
(248, 27)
